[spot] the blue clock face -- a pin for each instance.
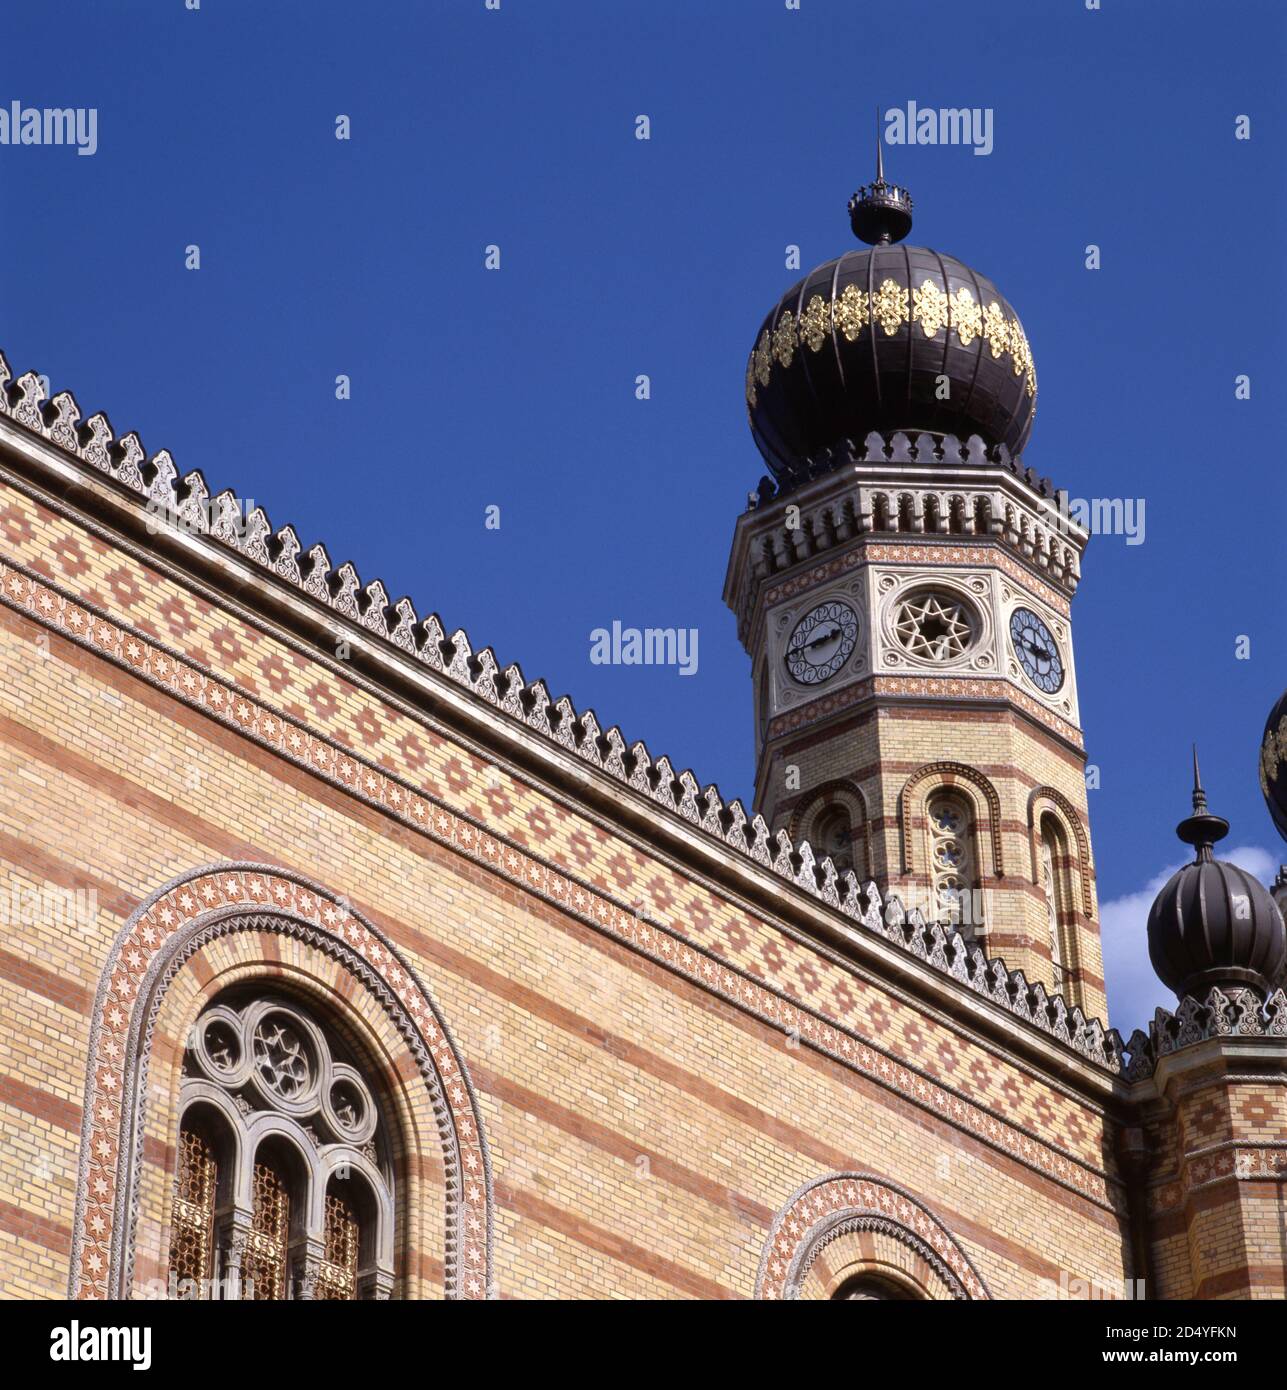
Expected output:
(1037, 650)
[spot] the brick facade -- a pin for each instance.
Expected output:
(622, 1057)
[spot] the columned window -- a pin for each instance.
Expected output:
(284, 1184)
(953, 875)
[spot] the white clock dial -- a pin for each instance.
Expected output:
(823, 640)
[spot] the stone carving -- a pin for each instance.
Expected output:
(1236, 1013)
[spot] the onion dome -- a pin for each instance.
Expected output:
(888, 338)
(1213, 924)
(1273, 764)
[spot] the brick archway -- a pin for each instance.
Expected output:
(965, 778)
(152, 949)
(1054, 800)
(842, 1204)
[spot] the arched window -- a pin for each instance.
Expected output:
(833, 836)
(1053, 858)
(870, 1288)
(953, 873)
(284, 1184)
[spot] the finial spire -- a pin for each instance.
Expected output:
(1199, 796)
(880, 159)
(1201, 829)
(880, 213)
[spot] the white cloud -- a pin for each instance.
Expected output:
(1134, 991)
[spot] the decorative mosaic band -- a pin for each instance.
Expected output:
(922, 686)
(665, 945)
(1243, 1162)
(887, 309)
(845, 1199)
(917, 553)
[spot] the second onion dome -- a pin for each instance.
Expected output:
(1213, 924)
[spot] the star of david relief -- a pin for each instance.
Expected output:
(934, 627)
(281, 1059)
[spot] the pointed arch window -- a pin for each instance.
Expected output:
(284, 1182)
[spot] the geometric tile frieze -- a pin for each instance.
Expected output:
(995, 1123)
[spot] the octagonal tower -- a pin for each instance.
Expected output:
(903, 586)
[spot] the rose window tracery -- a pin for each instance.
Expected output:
(284, 1185)
(934, 626)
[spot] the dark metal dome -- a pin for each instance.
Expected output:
(889, 338)
(1213, 924)
(1273, 764)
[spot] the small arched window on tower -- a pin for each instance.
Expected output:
(1053, 859)
(953, 875)
(284, 1183)
(833, 837)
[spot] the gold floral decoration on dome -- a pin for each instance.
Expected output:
(763, 359)
(850, 312)
(967, 317)
(996, 329)
(1274, 753)
(784, 339)
(815, 322)
(929, 307)
(889, 306)
(892, 306)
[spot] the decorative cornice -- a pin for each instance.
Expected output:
(157, 483)
(1237, 1013)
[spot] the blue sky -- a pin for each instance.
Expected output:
(516, 388)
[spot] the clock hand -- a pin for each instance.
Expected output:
(824, 637)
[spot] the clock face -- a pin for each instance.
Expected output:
(822, 642)
(1037, 650)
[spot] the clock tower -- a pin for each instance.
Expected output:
(903, 586)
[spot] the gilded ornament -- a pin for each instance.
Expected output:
(1018, 347)
(750, 381)
(967, 317)
(850, 312)
(814, 322)
(996, 329)
(784, 339)
(889, 306)
(1269, 756)
(929, 307)
(1282, 739)
(763, 359)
